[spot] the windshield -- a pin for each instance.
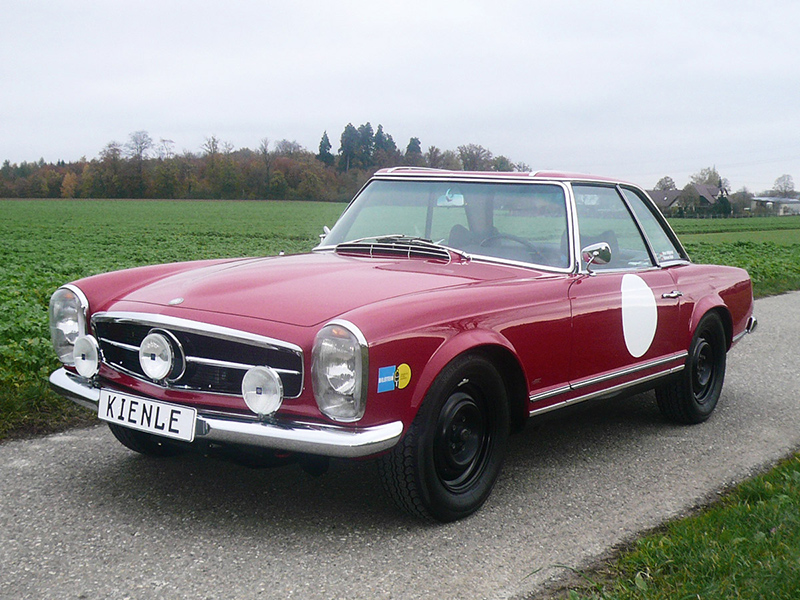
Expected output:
(514, 221)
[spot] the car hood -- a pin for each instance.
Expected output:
(308, 289)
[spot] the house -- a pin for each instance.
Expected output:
(674, 202)
(779, 206)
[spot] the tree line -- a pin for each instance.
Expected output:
(285, 170)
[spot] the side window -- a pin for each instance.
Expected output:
(660, 241)
(603, 217)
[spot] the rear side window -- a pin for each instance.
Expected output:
(663, 247)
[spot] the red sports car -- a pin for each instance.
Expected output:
(441, 311)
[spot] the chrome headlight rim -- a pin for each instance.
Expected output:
(64, 349)
(324, 391)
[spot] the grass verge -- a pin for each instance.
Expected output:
(745, 546)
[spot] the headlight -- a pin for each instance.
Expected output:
(339, 371)
(68, 308)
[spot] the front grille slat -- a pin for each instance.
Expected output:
(214, 364)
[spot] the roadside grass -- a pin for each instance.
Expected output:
(745, 546)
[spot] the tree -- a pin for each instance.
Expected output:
(784, 186)
(366, 146)
(413, 156)
(266, 157)
(288, 148)
(348, 147)
(139, 144)
(324, 156)
(475, 157)
(710, 176)
(665, 183)
(386, 153)
(69, 185)
(741, 201)
(502, 163)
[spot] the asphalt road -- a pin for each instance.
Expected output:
(82, 517)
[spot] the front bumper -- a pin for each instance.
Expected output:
(291, 436)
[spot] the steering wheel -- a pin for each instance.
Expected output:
(489, 241)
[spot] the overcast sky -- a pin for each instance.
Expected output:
(625, 88)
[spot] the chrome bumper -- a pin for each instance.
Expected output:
(752, 323)
(290, 436)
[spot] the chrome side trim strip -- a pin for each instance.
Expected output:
(607, 391)
(550, 394)
(629, 371)
(291, 436)
(621, 373)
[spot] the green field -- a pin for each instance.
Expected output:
(47, 243)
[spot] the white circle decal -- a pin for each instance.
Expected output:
(639, 315)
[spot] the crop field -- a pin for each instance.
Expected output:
(47, 243)
(769, 248)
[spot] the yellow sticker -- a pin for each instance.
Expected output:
(402, 376)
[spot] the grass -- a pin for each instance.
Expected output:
(745, 546)
(45, 244)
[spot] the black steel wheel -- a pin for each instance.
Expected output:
(446, 465)
(692, 397)
(142, 442)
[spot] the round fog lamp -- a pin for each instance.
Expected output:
(86, 356)
(262, 390)
(156, 356)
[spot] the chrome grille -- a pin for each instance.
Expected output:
(215, 358)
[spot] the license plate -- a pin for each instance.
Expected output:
(159, 418)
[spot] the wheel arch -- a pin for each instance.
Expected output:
(712, 305)
(499, 351)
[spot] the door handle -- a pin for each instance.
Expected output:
(672, 294)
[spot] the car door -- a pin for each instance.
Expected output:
(625, 313)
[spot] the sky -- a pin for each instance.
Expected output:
(624, 88)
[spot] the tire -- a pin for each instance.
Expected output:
(692, 397)
(142, 442)
(446, 465)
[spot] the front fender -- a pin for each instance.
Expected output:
(454, 346)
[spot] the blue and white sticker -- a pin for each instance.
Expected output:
(393, 378)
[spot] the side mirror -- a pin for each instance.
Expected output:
(596, 254)
(325, 231)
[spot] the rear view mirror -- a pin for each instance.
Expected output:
(450, 198)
